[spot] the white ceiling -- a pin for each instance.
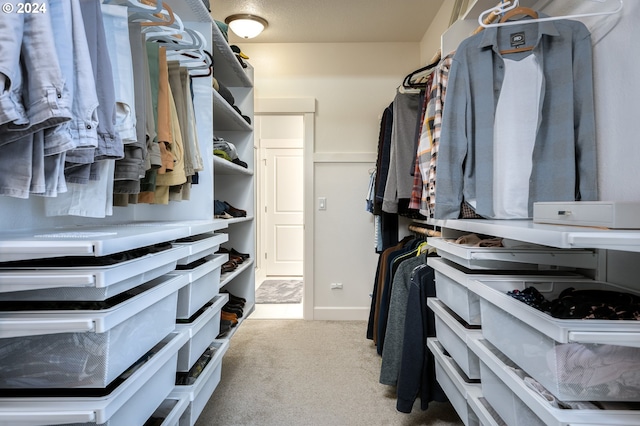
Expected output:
(331, 21)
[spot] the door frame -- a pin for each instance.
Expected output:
(307, 108)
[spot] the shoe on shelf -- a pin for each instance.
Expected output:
(235, 298)
(231, 310)
(237, 253)
(234, 211)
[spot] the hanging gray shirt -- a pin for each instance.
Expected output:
(564, 155)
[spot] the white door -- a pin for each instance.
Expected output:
(283, 210)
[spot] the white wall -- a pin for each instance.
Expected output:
(431, 40)
(352, 84)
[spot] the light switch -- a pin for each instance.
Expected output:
(322, 203)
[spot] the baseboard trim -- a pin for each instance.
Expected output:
(341, 314)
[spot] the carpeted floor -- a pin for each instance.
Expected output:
(315, 373)
(279, 291)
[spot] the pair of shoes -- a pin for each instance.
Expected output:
(228, 266)
(234, 255)
(228, 316)
(234, 298)
(225, 326)
(234, 211)
(238, 312)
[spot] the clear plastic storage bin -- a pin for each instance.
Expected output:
(199, 246)
(199, 393)
(85, 282)
(85, 348)
(519, 405)
(202, 332)
(517, 256)
(454, 383)
(132, 402)
(576, 360)
(204, 284)
(453, 336)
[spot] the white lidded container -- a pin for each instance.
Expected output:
(85, 348)
(573, 359)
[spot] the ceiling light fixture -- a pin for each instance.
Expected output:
(246, 25)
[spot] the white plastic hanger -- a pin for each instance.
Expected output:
(135, 5)
(512, 4)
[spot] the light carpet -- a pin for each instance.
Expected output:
(315, 373)
(279, 291)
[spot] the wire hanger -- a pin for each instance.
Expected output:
(513, 4)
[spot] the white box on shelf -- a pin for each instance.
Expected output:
(521, 256)
(85, 348)
(569, 357)
(37, 282)
(204, 284)
(199, 246)
(518, 404)
(453, 335)
(453, 383)
(131, 402)
(603, 214)
(202, 331)
(200, 392)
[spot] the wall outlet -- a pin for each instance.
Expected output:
(335, 286)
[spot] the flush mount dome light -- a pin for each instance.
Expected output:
(246, 25)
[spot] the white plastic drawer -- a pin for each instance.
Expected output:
(555, 351)
(86, 240)
(453, 335)
(529, 257)
(203, 284)
(485, 413)
(518, 405)
(132, 402)
(170, 412)
(454, 383)
(200, 392)
(85, 282)
(85, 348)
(199, 246)
(453, 281)
(202, 331)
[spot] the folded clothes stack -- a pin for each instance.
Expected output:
(224, 210)
(227, 151)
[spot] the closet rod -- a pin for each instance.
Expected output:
(424, 231)
(512, 4)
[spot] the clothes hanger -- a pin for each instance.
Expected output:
(512, 4)
(407, 83)
(517, 12)
(134, 5)
(148, 18)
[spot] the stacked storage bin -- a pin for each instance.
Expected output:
(458, 316)
(91, 338)
(199, 310)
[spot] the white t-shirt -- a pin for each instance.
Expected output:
(515, 128)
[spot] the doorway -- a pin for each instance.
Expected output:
(280, 216)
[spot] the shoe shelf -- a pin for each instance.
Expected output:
(226, 117)
(226, 167)
(235, 220)
(227, 277)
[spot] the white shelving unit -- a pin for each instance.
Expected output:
(234, 184)
(511, 397)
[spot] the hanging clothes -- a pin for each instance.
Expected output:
(564, 156)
